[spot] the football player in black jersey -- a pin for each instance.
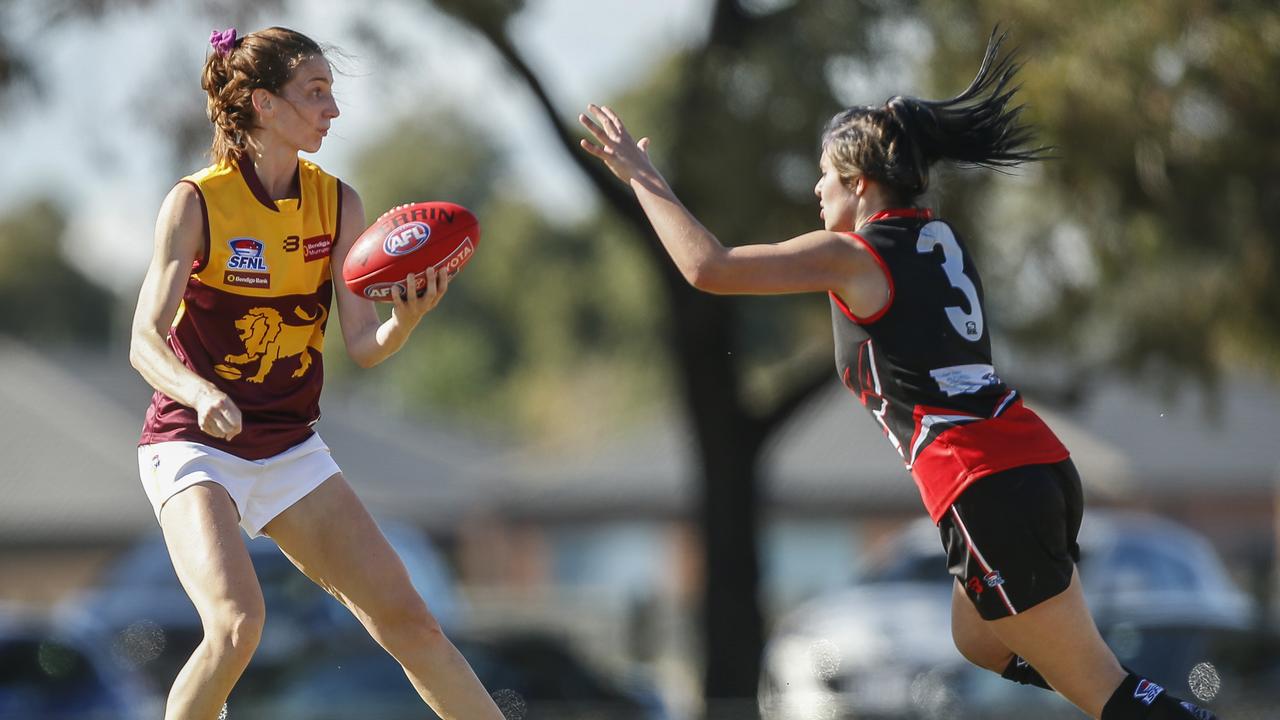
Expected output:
(994, 477)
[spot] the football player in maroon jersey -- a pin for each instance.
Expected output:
(912, 343)
(229, 330)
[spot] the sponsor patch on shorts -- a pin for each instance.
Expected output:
(1146, 692)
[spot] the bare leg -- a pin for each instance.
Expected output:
(332, 538)
(201, 528)
(1059, 638)
(973, 638)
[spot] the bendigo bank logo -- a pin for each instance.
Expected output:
(268, 338)
(406, 238)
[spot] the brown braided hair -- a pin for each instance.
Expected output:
(264, 59)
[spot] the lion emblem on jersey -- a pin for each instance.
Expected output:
(268, 338)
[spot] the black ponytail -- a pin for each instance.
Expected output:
(976, 127)
(897, 143)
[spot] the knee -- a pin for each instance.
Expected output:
(234, 629)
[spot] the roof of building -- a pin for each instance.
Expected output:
(831, 456)
(70, 424)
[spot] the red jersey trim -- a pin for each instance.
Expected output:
(921, 213)
(961, 455)
(884, 268)
(203, 258)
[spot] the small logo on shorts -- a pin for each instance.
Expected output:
(992, 579)
(1146, 692)
(155, 461)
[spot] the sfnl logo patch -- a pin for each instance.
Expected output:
(246, 267)
(246, 254)
(1146, 692)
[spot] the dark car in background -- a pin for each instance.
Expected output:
(882, 648)
(531, 675)
(315, 661)
(52, 673)
(139, 609)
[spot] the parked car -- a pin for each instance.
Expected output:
(531, 675)
(47, 673)
(144, 615)
(882, 648)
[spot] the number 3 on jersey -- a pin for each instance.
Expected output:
(968, 324)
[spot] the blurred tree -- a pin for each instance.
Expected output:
(14, 70)
(45, 299)
(437, 156)
(545, 320)
(735, 124)
(1162, 115)
(1153, 242)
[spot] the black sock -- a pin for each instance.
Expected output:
(1020, 671)
(1138, 698)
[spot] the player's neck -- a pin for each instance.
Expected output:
(276, 168)
(866, 211)
(872, 201)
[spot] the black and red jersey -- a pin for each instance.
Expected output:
(922, 365)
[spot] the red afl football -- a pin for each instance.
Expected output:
(410, 239)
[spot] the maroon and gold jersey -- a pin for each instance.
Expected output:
(922, 365)
(253, 315)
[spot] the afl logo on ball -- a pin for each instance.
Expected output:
(406, 238)
(382, 291)
(246, 254)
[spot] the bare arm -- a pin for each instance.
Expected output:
(816, 261)
(179, 236)
(369, 340)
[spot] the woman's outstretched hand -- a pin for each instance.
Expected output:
(625, 158)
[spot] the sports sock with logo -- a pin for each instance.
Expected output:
(1020, 671)
(1138, 698)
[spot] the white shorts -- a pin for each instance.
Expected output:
(260, 489)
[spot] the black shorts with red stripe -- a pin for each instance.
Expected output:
(1011, 537)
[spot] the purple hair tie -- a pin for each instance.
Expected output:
(223, 40)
